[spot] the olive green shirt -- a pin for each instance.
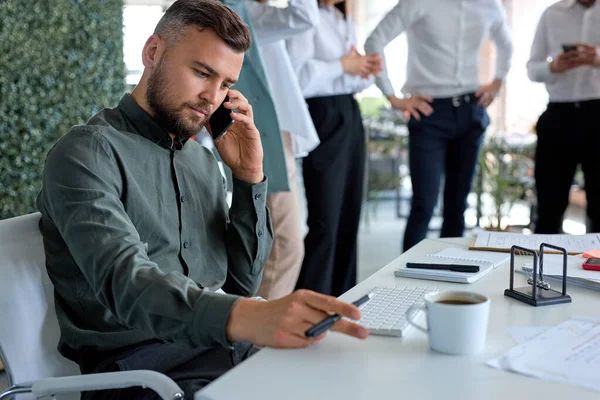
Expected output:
(138, 235)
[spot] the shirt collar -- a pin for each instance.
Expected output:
(146, 126)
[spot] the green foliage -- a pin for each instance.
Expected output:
(61, 61)
(507, 175)
(371, 106)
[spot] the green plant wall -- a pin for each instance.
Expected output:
(60, 62)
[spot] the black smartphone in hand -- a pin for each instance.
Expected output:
(569, 47)
(220, 121)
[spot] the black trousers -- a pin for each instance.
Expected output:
(568, 136)
(190, 369)
(443, 145)
(333, 180)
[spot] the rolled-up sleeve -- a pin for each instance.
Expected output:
(82, 188)
(249, 237)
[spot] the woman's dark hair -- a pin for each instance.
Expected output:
(340, 6)
(204, 14)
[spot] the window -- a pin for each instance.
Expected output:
(138, 25)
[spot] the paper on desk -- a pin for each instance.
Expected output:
(504, 241)
(553, 265)
(524, 334)
(592, 253)
(567, 353)
(520, 335)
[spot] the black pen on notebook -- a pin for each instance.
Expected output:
(447, 267)
(328, 322)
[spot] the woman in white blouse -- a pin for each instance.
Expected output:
(330, 71)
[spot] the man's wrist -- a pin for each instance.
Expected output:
(254, 177)
(239, 323)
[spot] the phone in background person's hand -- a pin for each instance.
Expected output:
(220, 121)
(569, 47)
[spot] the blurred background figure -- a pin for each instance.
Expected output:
(565, 57)
(330, 71)
(272, 26)
(443, 96)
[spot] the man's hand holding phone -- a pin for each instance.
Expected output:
(588, 54)
(573, 56)
(240, 148)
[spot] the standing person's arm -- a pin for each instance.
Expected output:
(500, 34)
(274, 23)
(313, 72)
(538, 67)
(358, 83)
(402, 16)
(543, 66)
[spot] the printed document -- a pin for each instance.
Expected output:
(504, 241)
(567, 353)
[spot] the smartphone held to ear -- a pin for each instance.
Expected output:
(220, 120)
(569, 47)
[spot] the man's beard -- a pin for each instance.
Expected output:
(168, 116)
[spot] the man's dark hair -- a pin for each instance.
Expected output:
(204, 14)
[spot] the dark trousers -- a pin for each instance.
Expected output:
(568, 135)
(190, 369)
(333, 181)
(445, 143)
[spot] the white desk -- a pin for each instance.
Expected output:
(340, 367)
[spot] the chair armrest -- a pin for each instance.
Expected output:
(159, 383)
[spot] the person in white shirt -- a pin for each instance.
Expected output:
(565, 55)
(272, 25)
(444, 98)
(330, 70)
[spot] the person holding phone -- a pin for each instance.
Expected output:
(137, 233)
(330, 71)
(272, 25)
(444, 99)
(565, 56)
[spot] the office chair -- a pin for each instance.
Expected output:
(29, 329)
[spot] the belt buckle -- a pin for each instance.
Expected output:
(456, 101)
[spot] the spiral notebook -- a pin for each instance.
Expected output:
(485, 260)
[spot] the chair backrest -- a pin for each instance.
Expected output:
(29, 329)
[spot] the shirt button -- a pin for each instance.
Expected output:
(260, 233)
(182, 199)
(257, 196)
(186, 244)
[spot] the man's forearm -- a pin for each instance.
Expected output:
(249, 237)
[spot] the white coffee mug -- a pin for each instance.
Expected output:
(456, 321)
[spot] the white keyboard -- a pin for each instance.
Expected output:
(385, 313)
